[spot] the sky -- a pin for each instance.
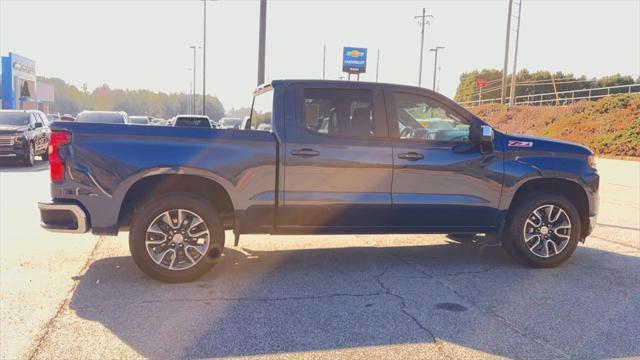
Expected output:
(144, 44)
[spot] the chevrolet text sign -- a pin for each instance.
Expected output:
(354, 60)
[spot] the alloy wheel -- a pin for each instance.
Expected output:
(547, 231)
(177, 239)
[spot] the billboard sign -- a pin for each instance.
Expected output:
(354, 60)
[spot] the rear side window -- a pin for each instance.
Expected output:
(334, 112)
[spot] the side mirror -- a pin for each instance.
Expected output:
(485, 139)
(37, 125)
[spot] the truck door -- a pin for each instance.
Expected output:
(440, 179)
(338, 161)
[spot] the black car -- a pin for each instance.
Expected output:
(193, 121)
(103, 117)
(23, 135)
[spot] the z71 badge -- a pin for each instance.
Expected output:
(518, 143)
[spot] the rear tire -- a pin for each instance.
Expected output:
(176, 252)
(543, 230)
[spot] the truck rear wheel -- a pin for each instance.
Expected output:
(176, 237)
(543, 230)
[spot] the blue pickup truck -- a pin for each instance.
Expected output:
(340, 158)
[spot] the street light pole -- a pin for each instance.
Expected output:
(506, 55)
(423, 21)
(435, 64)
(204, 62)
(261, 40)
(193, 95)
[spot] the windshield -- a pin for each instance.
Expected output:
(262, 108)
(102, 118)
(193, 122)
(14, 118)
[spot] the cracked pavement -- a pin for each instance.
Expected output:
(398, 296)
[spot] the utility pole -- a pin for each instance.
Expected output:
(423, 21)
(324, 61)
(194, 75)
(435, 65)
(191, 98)
(377, 64)
(506, 55)
(261, 40)
(204, 62)
(512, 91)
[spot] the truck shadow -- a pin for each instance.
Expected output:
(16, 166)
(292, 301)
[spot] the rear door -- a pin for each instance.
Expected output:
(338, 161)
(440, 180)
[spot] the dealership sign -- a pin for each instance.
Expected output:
(18, 81)
(354, 60)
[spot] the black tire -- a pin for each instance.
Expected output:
(30, 156)
(150, 211)
(513, 240)
(45, 154)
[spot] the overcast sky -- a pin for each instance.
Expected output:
(145, 44)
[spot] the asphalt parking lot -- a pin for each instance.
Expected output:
(81, 296)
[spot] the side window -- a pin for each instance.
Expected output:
(33, 120)
(334, 112)
(39, 119)
(422, 118)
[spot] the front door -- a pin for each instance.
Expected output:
(338, 162)
(440, 179)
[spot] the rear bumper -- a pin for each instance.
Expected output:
(63, 217)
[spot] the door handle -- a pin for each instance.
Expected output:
(411, 156)
(305, 152)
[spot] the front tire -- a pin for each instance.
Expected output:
(45, 154)
(543, 230)
(30, 156)
(176, 238)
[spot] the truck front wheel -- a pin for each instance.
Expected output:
(176, 237)
(543, 230)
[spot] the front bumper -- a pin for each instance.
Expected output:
(14, 151)
(593, 221)
(63, 217)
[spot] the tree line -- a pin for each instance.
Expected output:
(532, 83)
(71, 100)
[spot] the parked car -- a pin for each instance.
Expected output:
(343, 158)
(24, 134)
(53, 117)
(264, 127)
(230, 123)
(201, 121)
(103, 117)
(67, 117)
(138, 120)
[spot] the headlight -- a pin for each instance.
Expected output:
(591, 159)
(19, 138)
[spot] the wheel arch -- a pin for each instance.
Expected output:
(569, 189)
(147, 187)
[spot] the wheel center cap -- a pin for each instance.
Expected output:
(177, 238)
(544, 230)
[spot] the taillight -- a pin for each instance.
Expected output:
(56, 163)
